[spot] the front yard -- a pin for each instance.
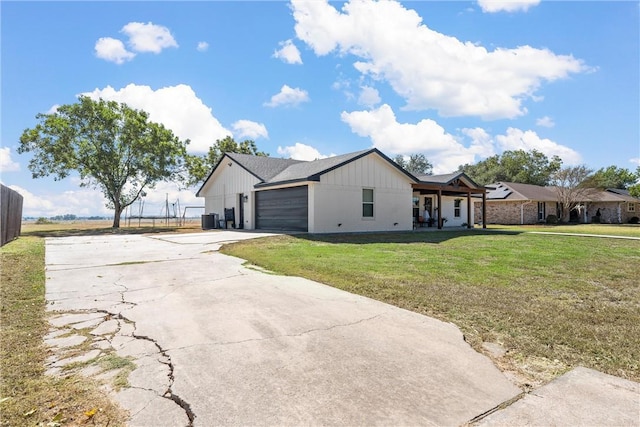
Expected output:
(552, 302)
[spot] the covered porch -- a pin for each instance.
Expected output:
(440, 198)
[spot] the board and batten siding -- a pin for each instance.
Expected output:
(448, 210)
(223, 188)
(335, 203)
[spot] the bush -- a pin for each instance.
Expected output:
(552, 219)
(42, 220)
(595, 219)
(634, 220)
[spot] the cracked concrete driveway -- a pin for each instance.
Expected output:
(217, 343)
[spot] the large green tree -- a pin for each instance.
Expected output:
(634, 189)
(418, 164)
(612, 177)
(111, 146)
(199, 166)
(526, 167)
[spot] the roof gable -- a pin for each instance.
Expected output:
(311, 171)
(263, 168)
(454, 179)
(273, 171)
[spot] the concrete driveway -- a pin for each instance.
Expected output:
(216, 343)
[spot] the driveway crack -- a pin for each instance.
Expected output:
(299, 334)
(165, 360)
(169, 394)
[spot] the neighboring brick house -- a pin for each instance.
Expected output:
(616, 206)
(515, 203)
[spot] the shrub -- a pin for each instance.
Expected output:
(552, 219)
(42, 220)
(634, 220)
(595, 219)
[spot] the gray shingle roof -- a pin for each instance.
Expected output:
(264, 168)
(447, 178)
(438, 179)
(517, 191)
(273, 171)
(311, 170)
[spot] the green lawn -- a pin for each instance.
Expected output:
(553, 302)
(627, 230)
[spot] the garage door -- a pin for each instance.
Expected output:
(283, 209)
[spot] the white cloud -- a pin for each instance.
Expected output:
(288, 96)
(429, 69)
(482, 144)
(148, 37)
(444, 150)
(202, 46)
(492, 6)
(288, 53)
(6, 163)
(249, 129)
(546, 122)
(82, 202)
(516, 139)
(53, 109)
(300, 151)
(176, 107)
(635, 160)
(369, 97)
(91, 202)
(112, 50)
(427, 137)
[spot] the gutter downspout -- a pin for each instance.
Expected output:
(620, 213)
(528, 202)
(484, 209)
(585, 216)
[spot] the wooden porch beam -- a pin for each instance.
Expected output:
(469, 210)
(439, 209)
(484, 210)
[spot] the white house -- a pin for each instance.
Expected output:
(355, 192)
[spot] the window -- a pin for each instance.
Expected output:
(541, 211)
(367, 202)
(456, 208)
(631, 207)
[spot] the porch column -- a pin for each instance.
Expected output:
(469, 210)
(439, 209)
(484, 209)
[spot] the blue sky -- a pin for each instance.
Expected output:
(458, 81)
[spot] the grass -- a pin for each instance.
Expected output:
(553, 302)
(95, 228)
(124, 364)
(625, 230)
(27, 395)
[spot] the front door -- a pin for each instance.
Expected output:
(428, 207)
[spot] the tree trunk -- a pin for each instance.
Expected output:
(116, 216)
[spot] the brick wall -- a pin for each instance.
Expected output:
(499, 212)
(508, 213)
(609, 212)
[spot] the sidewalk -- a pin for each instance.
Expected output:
(581, 397)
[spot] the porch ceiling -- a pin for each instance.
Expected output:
(446, 190)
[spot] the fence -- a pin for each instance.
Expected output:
(10, 214)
